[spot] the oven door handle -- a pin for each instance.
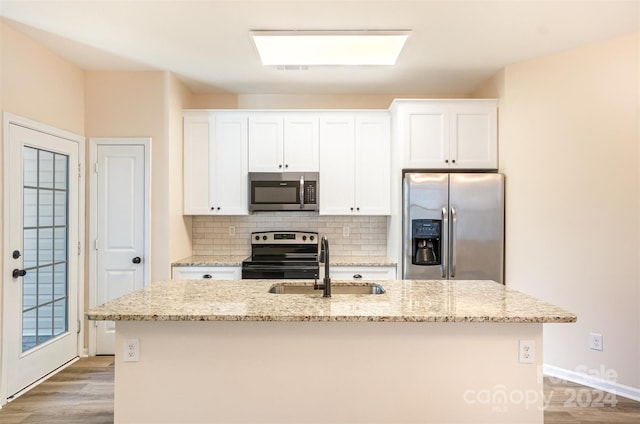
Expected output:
(276, 268)
(302, 192)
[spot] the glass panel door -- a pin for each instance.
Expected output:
(45, 228)
(40, 328)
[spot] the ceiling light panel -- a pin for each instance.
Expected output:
(277, 48)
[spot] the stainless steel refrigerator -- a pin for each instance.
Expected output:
(453, 226)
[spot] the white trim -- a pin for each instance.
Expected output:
(8, 119)
(592, 381)
(94, 142)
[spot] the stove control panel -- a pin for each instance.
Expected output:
(284, 237)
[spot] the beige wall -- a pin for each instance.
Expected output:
(179, 225)
(569, 146)
(300, 101)
(135, 104)
(39, 85)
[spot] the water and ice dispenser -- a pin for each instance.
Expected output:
(426, 236)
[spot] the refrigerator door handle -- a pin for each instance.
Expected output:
(445, 247)
(452, 240)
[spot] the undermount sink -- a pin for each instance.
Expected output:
(336, 288)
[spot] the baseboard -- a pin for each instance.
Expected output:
(592, 381)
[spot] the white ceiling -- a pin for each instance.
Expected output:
(453, 47)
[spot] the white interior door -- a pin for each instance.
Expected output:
(40, 303)
(120, 240)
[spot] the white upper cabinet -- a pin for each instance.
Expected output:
(215, 163)
(355, 163)
(228, 192)
(337, 164)
(447, 134)
(283, 142)
(197, 129)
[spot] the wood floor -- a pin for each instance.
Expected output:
(83, 393)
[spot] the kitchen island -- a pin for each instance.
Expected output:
(424, 351)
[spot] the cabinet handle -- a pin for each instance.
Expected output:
(351, 209)
(218, 208)
(358, 209)
(446, 161)
(286, 166)
(207, 276)
(357, 276)
(453, 161)
(280, 166)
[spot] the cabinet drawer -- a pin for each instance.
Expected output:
(358, 273)
(203, 273)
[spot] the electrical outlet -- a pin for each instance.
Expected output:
(345, 231)
(131, 351)
(232, 231)
(595, 341)
(527, 351)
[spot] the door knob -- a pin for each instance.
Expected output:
(136, 260)
(18, 273)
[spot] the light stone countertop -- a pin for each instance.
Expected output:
(361, 261)
(404, 301)
(236, 260)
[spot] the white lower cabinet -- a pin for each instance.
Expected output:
(362, 273)
(206, 272)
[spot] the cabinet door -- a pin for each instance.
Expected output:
(474, 135)
(197, 130)
(206, 273)
(337, 158)
(266, 142)
(229, 159)
(426, 136)
(301, 142)
(373, 164)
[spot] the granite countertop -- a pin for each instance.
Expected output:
(404, 301)
(361, 261)
(236, 260)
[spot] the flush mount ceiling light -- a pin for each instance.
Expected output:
(282, 48)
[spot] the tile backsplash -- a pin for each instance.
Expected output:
(230, 235)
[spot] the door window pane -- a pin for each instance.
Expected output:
(45, 232)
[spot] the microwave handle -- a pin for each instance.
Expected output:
(302, 192)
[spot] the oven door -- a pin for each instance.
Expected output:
(271, 271)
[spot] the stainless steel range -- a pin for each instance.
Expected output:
(282, 255)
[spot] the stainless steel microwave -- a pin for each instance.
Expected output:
(283, 191)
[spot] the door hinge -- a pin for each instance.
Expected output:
(79, 249)
(96, 244)
(79, 171)
(95, 167)
(78, 326)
